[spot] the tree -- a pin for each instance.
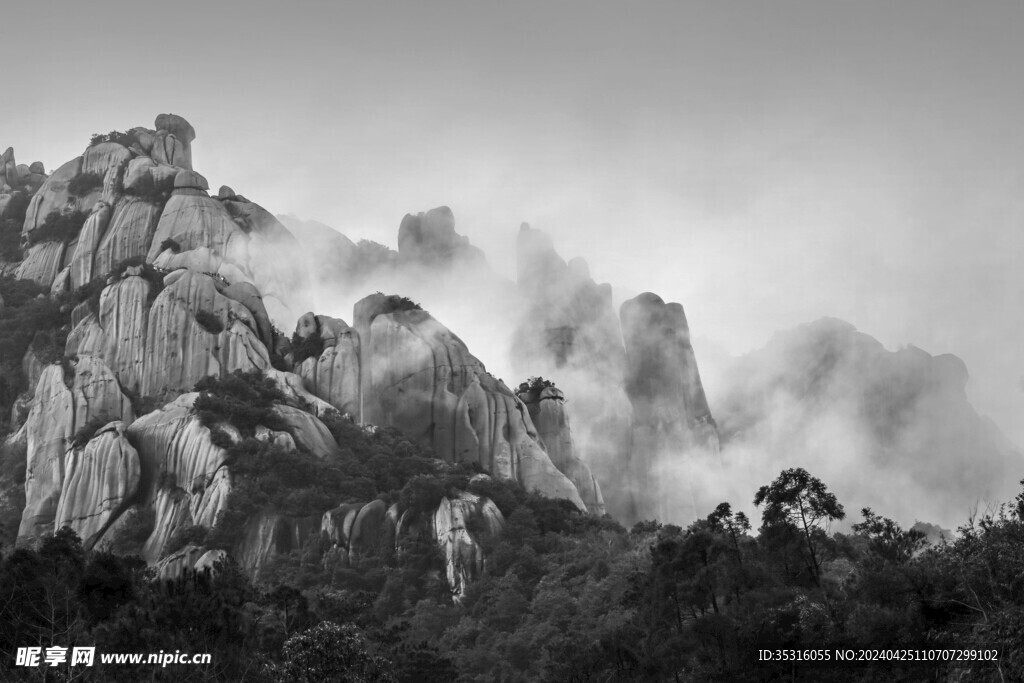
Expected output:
(329, 652)
(800, 501)
(888, 539)
(734, 525)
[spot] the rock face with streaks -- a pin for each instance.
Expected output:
(452, 521)
(42, 263)
(128, 234)
(100, 479)
(184, 478)
(460, 526)
(418, 376)
(64, 403)
(188, 331)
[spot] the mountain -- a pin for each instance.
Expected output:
(156, 406)
(151, 376)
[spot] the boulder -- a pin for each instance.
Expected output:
(163, 176)
(193, 221)
(190, 179)
(138, 176)
(307, 430)
(53, 196)
(171, 150)
(177, 125)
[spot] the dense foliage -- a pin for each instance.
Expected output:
(534, 385)
(87, 431)
(564, 596)
(91, 291)
(244, 400)
(58, 227)
(29, 318)
(120, 137)
(401, 303)
(12, 220)
(209, 321)
(173, 245)
(84, 183)
(302, 348)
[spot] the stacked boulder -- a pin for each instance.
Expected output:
(15, 177)
(139, 198)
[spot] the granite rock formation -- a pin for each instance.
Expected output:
(671, 417)
(547, 410)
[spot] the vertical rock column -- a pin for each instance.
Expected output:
(671, 418)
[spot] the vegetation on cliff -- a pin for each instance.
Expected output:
(11, 222)
(58, 227)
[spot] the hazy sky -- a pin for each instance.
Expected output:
(765, 164)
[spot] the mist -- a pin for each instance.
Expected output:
(763, 166)
(893, 430)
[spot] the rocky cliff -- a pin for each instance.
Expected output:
(414, 374)
(163, 294)
(141, 198)
(161, 287)
(637, 403)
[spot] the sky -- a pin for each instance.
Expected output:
(765, 164)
